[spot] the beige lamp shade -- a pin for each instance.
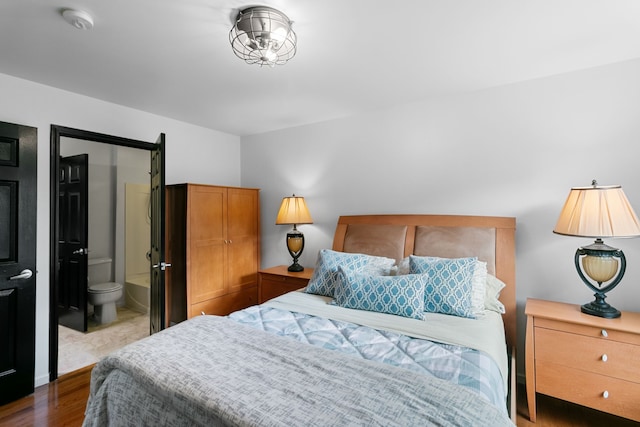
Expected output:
(598, 211)
(293, 210)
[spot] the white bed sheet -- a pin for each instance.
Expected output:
(485, 333)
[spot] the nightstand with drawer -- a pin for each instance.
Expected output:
(583, 359)
(276, 281)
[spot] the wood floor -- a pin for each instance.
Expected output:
(62, 403)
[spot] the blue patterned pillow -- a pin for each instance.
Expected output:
(449, 288)
(400, 295)
(325, 275)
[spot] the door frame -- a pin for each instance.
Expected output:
(58, 132)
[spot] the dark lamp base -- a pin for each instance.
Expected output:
(601, 310)
(599, 307)
(295, 267)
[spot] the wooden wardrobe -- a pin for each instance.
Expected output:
(212, 241)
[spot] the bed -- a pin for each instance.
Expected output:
(335, 353)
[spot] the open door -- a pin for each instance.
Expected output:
(18, 155)
(158, 266)
(58, 133)
(73, 236)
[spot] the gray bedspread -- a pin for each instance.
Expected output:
(212, 371)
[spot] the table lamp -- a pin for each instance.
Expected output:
(599, 212)
(293, 211)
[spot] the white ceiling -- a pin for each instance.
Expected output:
(173, 58)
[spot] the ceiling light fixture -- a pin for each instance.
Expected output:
(263, 35)
(78, 18)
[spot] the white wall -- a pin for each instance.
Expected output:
(194, 154)
(509, 151)
(101, 192)
(132, 166)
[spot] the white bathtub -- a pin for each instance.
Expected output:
(137, 292)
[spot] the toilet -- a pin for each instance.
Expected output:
(102, 292)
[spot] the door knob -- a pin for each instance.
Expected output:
(24, 274)
(80, 251)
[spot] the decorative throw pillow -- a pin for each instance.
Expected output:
(399, 295)
(325, 275)
(450, 284)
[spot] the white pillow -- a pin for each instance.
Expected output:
(401, 268)
(479, 288)
(491, 301)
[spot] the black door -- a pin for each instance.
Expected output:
(18, 154)
(72, 242)
(157, 300)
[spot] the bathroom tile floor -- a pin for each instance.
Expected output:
(80, 349)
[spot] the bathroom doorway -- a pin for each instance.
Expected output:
(114, 163)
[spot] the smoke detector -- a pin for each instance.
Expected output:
(78, 18)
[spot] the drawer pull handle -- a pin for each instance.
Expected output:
(202, 313)
(604, 357)
(604, 333)
(605, 394)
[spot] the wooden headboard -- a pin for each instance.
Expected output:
(491, 239)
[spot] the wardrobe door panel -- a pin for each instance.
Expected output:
(242, 230)
(207, 270)
(242, 208)
(207, 219)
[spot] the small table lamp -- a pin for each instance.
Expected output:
(293, 210)
(598, 212)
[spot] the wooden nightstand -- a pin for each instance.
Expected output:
(583, 359)
(276, 281)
